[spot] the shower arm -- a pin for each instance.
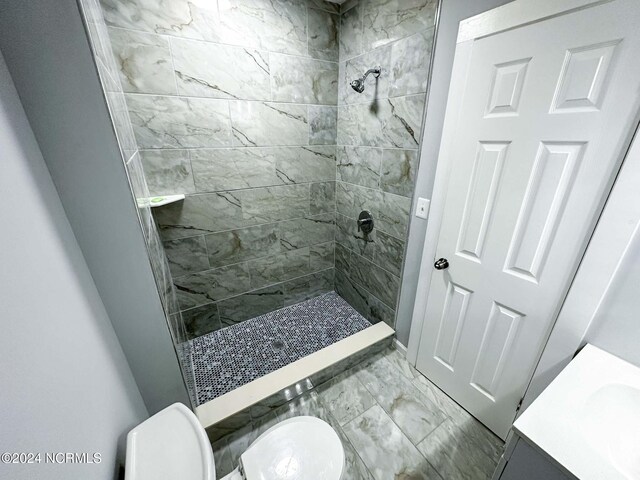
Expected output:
(374, 70)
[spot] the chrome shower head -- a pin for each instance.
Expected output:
(358, 84)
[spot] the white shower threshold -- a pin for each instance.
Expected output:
(253, 392)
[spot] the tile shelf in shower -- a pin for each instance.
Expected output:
(323, 356)
(159, 201)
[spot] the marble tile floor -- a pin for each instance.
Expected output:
(394, 425)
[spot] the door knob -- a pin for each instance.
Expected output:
(441, 264)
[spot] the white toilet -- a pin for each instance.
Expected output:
(172, 445)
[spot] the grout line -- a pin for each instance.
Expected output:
(255, 147)
(258, 289)
(278, 222)
(229, 45)
(225, 99)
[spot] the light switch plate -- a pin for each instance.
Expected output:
(422, 207)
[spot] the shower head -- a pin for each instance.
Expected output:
(358, 84)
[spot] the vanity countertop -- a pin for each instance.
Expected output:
(588, 419)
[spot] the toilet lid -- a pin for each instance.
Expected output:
(300, 448)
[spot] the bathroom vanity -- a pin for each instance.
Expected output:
(585, 425)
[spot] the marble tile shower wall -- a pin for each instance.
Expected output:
(114, 94)
(234, 104)
(378, 144)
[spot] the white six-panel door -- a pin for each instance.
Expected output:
(537, 123)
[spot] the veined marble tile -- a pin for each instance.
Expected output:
(310, 286)
(399, 169)
(351, 33)
(266, 271)
(389, 253)
(359, 165)
(404, 403)
(375, 279)
(324, 5)
(391, 123)
(323, 125)
(122, 123)
(393, 214)
(385, 450)
(347, 234)
(321, 256)
(195, 19)
(353, 199)
(342, 258)
(264, 123)
(411, 58)
(348, 5)
(136, 177)
(221, 454)
(248, 305)
(375, 88)
(454, 455)
(303, 80)
(295, 263)
(346, 397)
(187, 255)
(144, 61)
(486, 441)
(309, 230)
(235, 246)
(212, 285)
(233, 168)
(175, 122)
(278, 268)
(323, 34)
(387, 20)
(168, 172)
(99, 38)
(198, 214)
(398, 359)
(369, 306)
(305, 164)
(271, 204)
(201, 320)
(220, 71)
(276, 26)
(323, 198)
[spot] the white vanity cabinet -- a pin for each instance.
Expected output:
(583, 426)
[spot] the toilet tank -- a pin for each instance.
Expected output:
(168, 446)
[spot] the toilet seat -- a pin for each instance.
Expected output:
(172, 444)
(300, 448)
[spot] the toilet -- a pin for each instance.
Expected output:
(172, 445)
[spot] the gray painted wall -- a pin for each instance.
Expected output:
(57, 81)
(66, 386)
(451, 12)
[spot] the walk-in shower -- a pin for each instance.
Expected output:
(280, 168)
(358, 84)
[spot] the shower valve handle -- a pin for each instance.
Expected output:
(365, 222)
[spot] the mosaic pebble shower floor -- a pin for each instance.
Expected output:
(234, 356)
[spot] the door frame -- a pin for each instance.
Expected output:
(512, 15)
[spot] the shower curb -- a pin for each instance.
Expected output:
(253, 400)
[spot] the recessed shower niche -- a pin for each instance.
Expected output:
(248, 108)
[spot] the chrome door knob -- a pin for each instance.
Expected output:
(441, 264)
